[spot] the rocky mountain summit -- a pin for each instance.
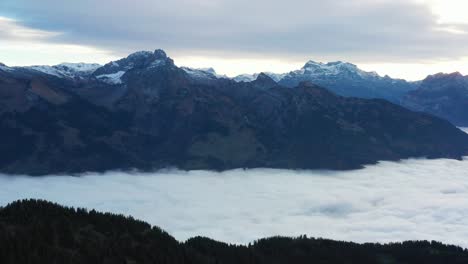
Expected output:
(344, 79)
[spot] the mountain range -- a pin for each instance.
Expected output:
(442, 95)
(344, 79)
(144, 112)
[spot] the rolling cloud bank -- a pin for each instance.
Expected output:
(412, 199)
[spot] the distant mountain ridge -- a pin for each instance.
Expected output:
(144, 112)
(252, 77)
(344, 79)
(443, 95)
(68, 70)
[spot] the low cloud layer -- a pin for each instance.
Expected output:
(413, 199)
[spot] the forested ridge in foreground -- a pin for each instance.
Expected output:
(34, 231)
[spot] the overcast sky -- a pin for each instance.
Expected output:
(402, 38)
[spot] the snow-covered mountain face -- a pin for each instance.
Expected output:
(115, 71)
(3, 67)
(146, 74)
(252, 77)
(347, 79)
(338, 68)
(200, 73)
(342, 78)
(67, 70)
(203, 73)
(158, 116)
(314, 70)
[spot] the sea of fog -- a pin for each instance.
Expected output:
(391, 201)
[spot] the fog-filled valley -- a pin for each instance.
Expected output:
(391, 201)
(180, 132)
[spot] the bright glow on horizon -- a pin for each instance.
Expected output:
(26, 54)
(416, 71)
(23, 46)
(449, 11)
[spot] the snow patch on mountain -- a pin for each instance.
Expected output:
(139, 54)
(245, 77)
(314, 70)
(67, 70)
(157, 63)
(141, 60)
(46, 69)
(320, 69)
(79, 67)
(252, 77)
(113, 78)
(3, 67)
(203, 73)
(199, 73)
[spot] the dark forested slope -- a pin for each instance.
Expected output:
(34, 231)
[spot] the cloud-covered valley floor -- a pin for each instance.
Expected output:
(412, 199)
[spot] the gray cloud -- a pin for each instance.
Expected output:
(412, 199)
(10, 30)
(353, 29)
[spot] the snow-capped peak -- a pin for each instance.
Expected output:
(139, 59)
(158, 54)
(210, 70)
(67, 70)
(314, 70)
(79, 67)
(202, 73)
(113, 78)
(113, 71)
(328, 68)
(143, 53)
(3, 67)
(245, 77)
(333, 68)
(252, 77)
